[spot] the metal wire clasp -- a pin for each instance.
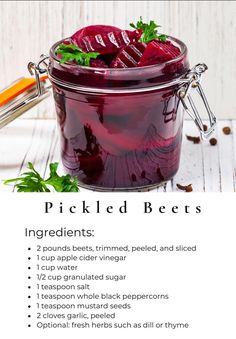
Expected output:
(37, 69)
(18, 100)
(192, 80)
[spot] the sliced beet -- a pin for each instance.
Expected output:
(106, 43)
(157, 52)
(94, 30)
(129, 56)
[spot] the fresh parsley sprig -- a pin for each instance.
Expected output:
(150, 31)
(72, 52)
(32, 181)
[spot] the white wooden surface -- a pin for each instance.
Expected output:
(207, 168)
(29, 28)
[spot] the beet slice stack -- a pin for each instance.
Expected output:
(119, 48)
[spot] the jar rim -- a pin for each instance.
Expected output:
(181, 44)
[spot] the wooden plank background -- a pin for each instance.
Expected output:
(29, 28)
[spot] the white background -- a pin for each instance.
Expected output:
(201, 286)
(29, 28)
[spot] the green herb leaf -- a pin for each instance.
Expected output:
(64, 183)
(32, 181)
(150, 31)
(72, 52)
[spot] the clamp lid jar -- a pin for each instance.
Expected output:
(121, 129)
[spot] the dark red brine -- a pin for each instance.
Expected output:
(121, 127)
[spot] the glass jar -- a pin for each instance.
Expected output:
(121, 129)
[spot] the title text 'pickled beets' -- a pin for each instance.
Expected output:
(120, 118)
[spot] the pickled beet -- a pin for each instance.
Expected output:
(106, 43)
(93, 30)
(158, 52)
(129, 56)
